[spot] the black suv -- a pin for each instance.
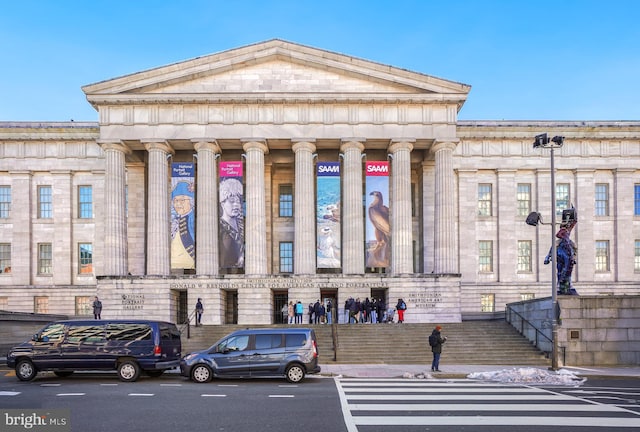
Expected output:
(128, 346)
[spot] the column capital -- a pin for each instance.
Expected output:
(303, 145)
(255, 143)
(116, 145)
(206, 144)
(350, 143)
(449, 144)
(157, 144)
(397, 144)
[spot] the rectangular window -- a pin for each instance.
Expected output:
(524, 199)
(562, 198)
(5, 257)
(85, 258)
(45, 258)
(527, 296)
(84, 306)
(5, 201)
(45, 202)
(85, 202)
(286, 257)
(602, 256)
(41, 304)
(636, 200)
(636, 260)
(4, 303)
(485, 256)
(488, 303)
(286, 200)
(484, 199)
(524, 256)
(602, 199)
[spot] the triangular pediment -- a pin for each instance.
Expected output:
(275, 67)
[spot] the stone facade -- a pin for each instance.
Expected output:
(280, 107)
(592, 330)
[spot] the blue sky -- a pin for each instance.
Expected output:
(525, 60)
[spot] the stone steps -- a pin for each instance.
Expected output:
(469, 342)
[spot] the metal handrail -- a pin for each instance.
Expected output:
(523, 322)
(187, 325)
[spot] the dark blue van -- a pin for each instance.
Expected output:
(272, 352)
(128, 346)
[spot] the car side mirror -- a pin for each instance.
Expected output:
(35, 337)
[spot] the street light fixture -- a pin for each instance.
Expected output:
(534, 218)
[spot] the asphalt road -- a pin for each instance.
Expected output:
(100, 402)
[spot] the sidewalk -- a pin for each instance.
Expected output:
(459, 371)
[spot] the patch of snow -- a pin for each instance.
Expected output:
(530, 376)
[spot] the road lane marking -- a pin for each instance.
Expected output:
(50, 385)
(71, 394)
(213, 395)
(170, 385)
(9, 393)
(141, 394)
(281, 396)
(484, 407)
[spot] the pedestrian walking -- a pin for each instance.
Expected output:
(436, 340)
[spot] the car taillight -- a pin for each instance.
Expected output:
(315, 349)
(157, 351)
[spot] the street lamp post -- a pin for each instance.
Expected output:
(552, 144)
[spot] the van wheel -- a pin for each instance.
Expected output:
(295, 373)
(63, 374)
(154, 373)
(128, 371)
(201, 373)
(25, 370)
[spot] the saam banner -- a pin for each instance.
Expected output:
(378, 231)
(328, 215)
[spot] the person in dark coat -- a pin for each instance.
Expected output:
(97, 308)
(436, 340)
(199, 311)
(316, 312)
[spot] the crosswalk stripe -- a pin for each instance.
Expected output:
(445, 390)
(440, 397)
(484, 407)
(608, 422)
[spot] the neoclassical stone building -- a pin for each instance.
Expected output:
(136, 208)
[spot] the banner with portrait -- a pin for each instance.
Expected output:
(231, 213)
(183, 214)
(378, 231)
(328, 215)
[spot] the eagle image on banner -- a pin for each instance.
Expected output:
(231, 223)
(183, 213)
(328, 215)
(378, 229)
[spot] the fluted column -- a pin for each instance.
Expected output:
(304, 241)
(115, 222)
(255, 262)
(352, 213)
(446, 252)
(158, 228)
(207, 207)
(401, 226)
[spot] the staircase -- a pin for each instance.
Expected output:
(469, 342)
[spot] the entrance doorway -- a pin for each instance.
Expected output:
(381, 294)
(230, 299)
(330, 297)
(280, 311)
(179, 307)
